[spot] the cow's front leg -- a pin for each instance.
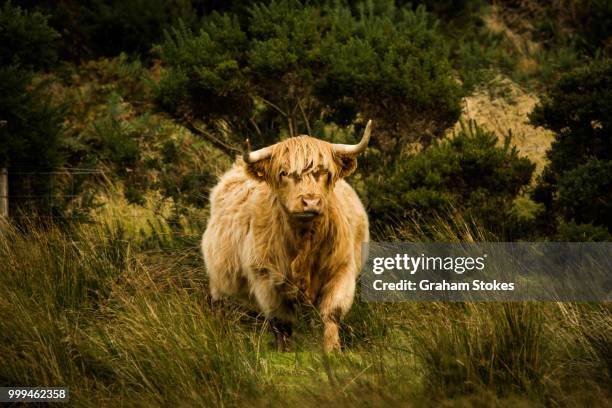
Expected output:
(275, 306)
(331, 331)
(336, 299)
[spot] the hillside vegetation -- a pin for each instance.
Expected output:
(492, 123)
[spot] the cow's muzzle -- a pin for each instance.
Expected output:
(311, 204)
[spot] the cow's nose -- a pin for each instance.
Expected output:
(311, 204)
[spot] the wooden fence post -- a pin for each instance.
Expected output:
(4, 202)
(4, 191)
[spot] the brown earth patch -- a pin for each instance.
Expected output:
(504, 107)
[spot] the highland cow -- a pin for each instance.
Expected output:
(286, 229)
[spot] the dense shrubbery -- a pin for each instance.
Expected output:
(290, 69)
(279, 68)
(26, 39)
(109, 126)
(285, 68)
(31, 125)
(30, 130)
(576, 184)
(469, 173)
(585, 193)
(148, 155)
(533, 42)
(587, 24)
(109, 27)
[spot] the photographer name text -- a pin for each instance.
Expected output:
(427, 285)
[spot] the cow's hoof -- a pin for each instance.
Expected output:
(282, 333)
(331, 346)
(284, 346)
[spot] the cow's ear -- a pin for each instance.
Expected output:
(259, 170)
(347, 165)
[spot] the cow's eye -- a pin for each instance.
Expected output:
(283, 173)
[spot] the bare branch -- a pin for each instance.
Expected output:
(226, 148)
(279, 110)
(254, 123)
(308, 129)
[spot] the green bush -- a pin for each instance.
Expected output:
(571, 232)
(29, 134)
(585, 193)
(577, 110)
(290, 68)
(31, 124)
(585, 24)
(576, 183)
(26, 38)
(596, 28)
(469, 173)
(148, 155)
(109, 27)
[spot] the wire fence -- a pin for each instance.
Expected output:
(59, 193)
(64, 202)
(32, 192)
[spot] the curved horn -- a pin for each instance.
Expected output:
(353, 150)
(252, 157)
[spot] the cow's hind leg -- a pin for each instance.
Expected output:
(282, 332)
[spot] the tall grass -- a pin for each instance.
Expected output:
(499, 346)
(84, 310)
(123, 322)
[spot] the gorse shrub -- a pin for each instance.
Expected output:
(289, 68)
(26, 43)
(583, 23)
(572, 232)
(577, 110)
(469, 172)
(585, 193)
(576, 183)
(30, 123)
(110, 128)
(26, 38)
(109, 27)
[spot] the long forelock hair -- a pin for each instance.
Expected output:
(300, 155)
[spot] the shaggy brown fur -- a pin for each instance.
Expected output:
(262, 247)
